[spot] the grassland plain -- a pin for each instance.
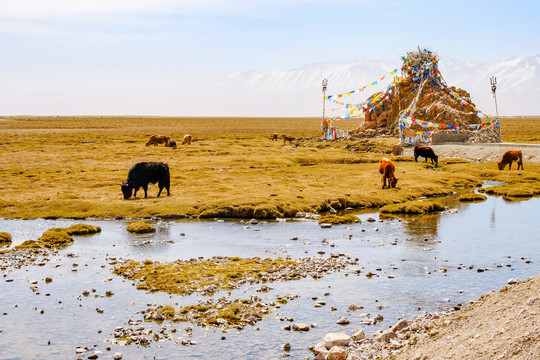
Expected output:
(72, 167)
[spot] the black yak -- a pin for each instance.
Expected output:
(425, 152)
(143, 173)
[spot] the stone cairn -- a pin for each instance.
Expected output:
(435, 102)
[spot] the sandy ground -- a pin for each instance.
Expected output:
(482, 152)
(501, 325)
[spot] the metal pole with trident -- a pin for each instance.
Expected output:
(493, 81)
(325, 124)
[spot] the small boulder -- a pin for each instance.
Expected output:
(343, 321)
(386, 336)
(301, 327)
(337, 353)
(336, 339)
(358, 335)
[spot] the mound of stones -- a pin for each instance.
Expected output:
(341, 346)
(435, 104)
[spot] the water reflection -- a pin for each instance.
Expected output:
(419, 227)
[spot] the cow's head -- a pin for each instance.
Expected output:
(393, 182)
(127, 190)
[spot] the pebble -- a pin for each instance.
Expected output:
(300, 327)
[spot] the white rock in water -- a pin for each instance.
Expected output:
(254, 222)
(358, 335)
(513, 281)
(336, 339)
(326, 225)
(370, 219)
(117, 356)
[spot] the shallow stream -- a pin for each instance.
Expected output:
(422, 264)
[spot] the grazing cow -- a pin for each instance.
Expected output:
(143, 173)
(274, 137)
(427, 153)
(158, 139)
(508, 157)
(387, 169)
(172, 144)
(187, 139)
(286, 138)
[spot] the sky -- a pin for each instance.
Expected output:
(143, 57)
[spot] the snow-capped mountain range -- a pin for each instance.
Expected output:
(298, 92)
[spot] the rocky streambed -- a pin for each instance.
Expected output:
(360, 279)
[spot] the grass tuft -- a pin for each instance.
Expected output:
(5, 238)
(413, 207)
(472, 197)
(140, 227)
(339, 219)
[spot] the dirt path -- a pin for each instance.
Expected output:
(482, 152)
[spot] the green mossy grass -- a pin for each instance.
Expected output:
(5, 238)
(187, 277)
(55, 238)
(58, 238)
(514, 190)
(338, 219)
(140, 227)
(413, 207)
(472, 197)
(83, 229)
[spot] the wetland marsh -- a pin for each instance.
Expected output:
(75, 302)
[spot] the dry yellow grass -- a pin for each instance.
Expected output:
(73, 166)
(521, 130)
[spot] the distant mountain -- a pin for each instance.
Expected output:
(297, 92)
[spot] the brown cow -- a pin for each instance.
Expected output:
(158, 139)
(274, 136)
(387, 168)
(187, 139)
(286, 138)
(508, 157)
